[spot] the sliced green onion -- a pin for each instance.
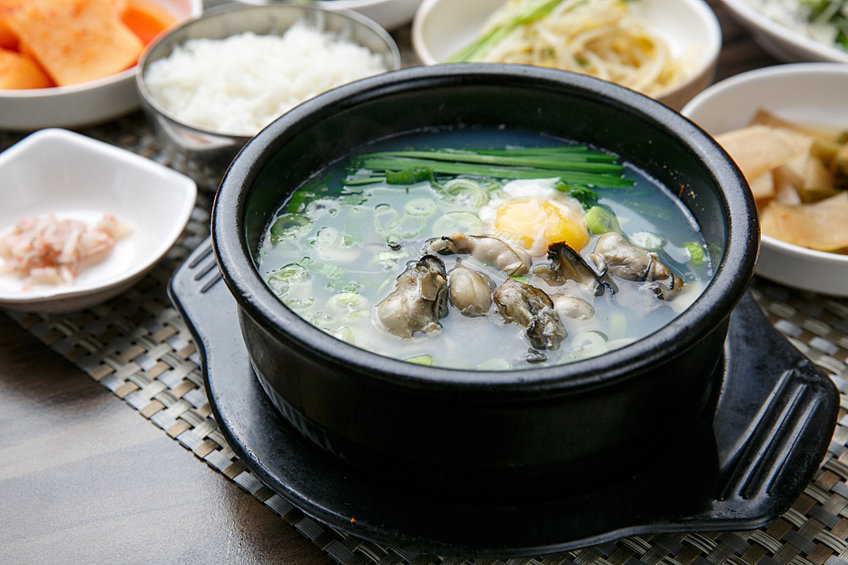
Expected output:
(390, 258)
(405, 227)
(281, 280)
(348, 306)
(301, 304)
(321, 206)
(352, 199)
(333, 245)
(384, 214)
(343, 333)
(327, 236)
(348, 301)
(601, 220)
(587, 344)
(465, 193)
(343, 285)
(420, 207)
(410, 175)
(298, 198)
(322, 269)
(421, 360)
(697, 253)
(618, 324)
(319, 319)
(363, 177)
(352, 233)
(496, 364)
(457, 221)
(583, 194)
(289, 226)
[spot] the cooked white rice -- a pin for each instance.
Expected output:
(240, 84)
(791, 14)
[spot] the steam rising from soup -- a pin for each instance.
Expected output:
(516, 250)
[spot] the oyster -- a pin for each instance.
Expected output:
(567, 264)
(418, 301)
(623, 259)
(532, 308)
(572, 307)
(469, 291)
(487, 249)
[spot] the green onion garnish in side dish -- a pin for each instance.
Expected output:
(533, 12)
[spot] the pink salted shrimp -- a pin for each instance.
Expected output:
(50, 250)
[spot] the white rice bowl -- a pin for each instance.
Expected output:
(239, 84)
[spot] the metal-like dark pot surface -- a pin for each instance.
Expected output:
(465, 433)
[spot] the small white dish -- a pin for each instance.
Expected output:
(85, 104)
(389, 14)
(689, 27)
(807, 93)
(785, 44)
(73, 176)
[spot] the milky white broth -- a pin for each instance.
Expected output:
(344, 248)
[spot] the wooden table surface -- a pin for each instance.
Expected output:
(85, 479)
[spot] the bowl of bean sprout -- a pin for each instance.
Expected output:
(666, 50)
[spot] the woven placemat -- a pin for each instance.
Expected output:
(138, 346)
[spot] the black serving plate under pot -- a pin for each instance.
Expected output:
(744, 465)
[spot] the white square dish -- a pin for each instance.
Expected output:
(59, 172)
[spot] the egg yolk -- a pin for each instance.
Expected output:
(536, 224)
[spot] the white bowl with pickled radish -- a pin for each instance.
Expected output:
(57, 177)
(808, 94)
(86, 103)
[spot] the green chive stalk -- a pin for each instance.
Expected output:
(574, 165)
(533, 12)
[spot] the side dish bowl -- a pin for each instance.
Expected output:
(83, 104)
(204, 153)
(782, 42)
(689, 27)
(55, 171)
(475, 433)
(806, 93)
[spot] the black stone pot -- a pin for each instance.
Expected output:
(470, 434)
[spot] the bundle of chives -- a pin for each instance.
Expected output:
(577, 165)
